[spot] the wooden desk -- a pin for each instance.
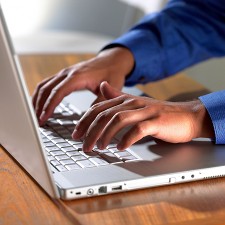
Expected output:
(24, 202)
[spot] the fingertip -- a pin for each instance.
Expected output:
(120, 146)
(75, 134)
(42, 119)
(86, 147)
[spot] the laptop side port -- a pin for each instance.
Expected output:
(102, 190)
(117, 188)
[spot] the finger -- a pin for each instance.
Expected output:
(36, 91)
(100, 98)
(100, 123)
(120, 121)
(91, 115)
(137, 132)
(36, 94)
(44, 93)
(62, 89)
(108, 91)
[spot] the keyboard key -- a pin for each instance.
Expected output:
(101, 151)
(49, 144)
(47, 132)
(74, 109)
(65, 122)
(72, 153)
(59, 128)
(66, 161)
(62, 157)
(64, 144)
(55, 163)
(122, 154)
(70, 128)
(73, 167)
(56, 153)
(52, 148)
(78, 146)
(78, 157)
(45, 139)
(74, 142)
(63, 132)
(53, 135)
(61, 168)
(113, 150)
(113, 145)
(98, 161)
(85, 163)
(89, 154)
(67, 113)
(51, 158)
(67, 149)
(110, 158)
(57, 115)
(57, 140)
(66, 136)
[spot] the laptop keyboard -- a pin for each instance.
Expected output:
(65, 154)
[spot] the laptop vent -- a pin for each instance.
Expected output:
(217, 176)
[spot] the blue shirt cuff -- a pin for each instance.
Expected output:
(215, 105)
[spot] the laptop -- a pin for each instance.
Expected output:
(57, 163)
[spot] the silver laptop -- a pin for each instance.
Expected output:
(57, 162)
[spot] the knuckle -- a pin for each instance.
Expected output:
(57, 90)
(140, 129)
(136, 102)
(63, 72)
(96, 105)
(39, 86)
(42, 90)
(100, 117)
(93, 108)
(120, 117)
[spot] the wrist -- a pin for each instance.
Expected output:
(204, 121)
(120, 60)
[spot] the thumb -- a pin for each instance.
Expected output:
(108, 92)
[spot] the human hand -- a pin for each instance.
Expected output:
(168, 121)
(110, 65)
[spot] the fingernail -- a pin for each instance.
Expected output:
(42, 116)
(120, 146)
(75, 134)
(100, 145)
(85, 147)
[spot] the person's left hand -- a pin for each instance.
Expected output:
(168, 121)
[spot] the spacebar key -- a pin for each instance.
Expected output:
(110, 158)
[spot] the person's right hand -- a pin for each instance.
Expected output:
(110, 65)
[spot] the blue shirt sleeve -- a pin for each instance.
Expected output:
(215, 105)
(184, 33)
